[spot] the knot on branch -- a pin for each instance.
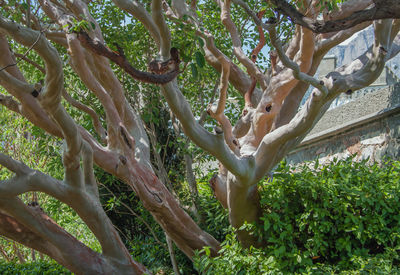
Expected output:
(123, 159)
(120, 50)
(271, 20)
(33, 204)
(128, 140)
(218, 130)
(212, 110)
(236, 142)
(36, 91)
(162, 67)
(36, 206)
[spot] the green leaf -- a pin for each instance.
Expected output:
(200, 59)
(195, 72)
(201, 41)
(266, 225)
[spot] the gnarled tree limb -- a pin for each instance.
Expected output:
(120, 59)
(382, 9)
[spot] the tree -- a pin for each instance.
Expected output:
(61, 36)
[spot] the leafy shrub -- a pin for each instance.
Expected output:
(34, 268)
(341, 218)
(215, 217)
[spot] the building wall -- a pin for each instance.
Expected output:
(367, 127)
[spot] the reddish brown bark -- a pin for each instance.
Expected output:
(120, 59)
(70, 252)
(156, 198)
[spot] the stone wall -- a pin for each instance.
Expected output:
(367, 127)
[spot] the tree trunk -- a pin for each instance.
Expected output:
(244, 206)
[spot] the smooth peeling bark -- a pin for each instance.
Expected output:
(240, 212)
(280, 86)
(80, 260)
(101, 81)
(12, 229)
(113, 249)
(80, 183)
(156, 198)
(30, 107)
(244, 206)
(84, 202)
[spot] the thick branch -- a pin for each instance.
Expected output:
(10, 103)
(136, 9)
(93, 262)
(346, 9)
(118, 58)
(297, 70)
(165, 35)
(293, 100)
(214, 144)
(383, 9)
(50, 97)
(219, 186)
(14, 82)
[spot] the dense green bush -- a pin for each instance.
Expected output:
(215, 217)
(341, 218)
(34, 268)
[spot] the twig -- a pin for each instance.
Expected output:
(25, 54)
(33, 63)
(137, 216)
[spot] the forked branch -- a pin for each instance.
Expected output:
(217, 112)
(252, 69)
(358, 74)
